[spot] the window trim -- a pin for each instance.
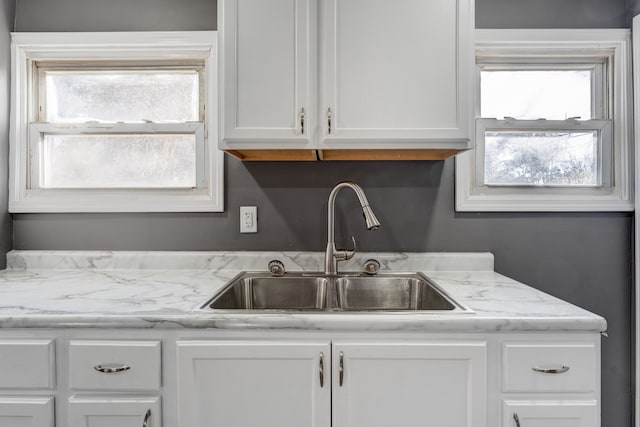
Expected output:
(119, 46)
(503, 46)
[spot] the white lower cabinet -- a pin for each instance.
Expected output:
(111, 411)
(538, 413)
(27, 364)
(232, 378)
(130, 370)
(253, 383)
(354, 384)
(26, 412)
(550, 383)
(409, 384)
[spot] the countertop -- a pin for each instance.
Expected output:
(165, 290)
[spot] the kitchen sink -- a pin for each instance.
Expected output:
(346, 292)
(262, 292)
(390, 293)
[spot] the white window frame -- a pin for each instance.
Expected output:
(187, 46)
(615, 190)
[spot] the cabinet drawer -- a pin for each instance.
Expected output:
(550, 413)
(571, 367)
(27, 364)
(114, 365)
(117, 411)
(27, 411)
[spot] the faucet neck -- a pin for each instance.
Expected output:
(330, 260)
(332, 256)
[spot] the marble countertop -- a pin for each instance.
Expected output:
(165, 290)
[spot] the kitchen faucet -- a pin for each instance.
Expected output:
(332, 255)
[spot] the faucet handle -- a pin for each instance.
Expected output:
(276, 268)
(371, 267)
(345, 254)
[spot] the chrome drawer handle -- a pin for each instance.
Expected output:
(341, 370)
(321, 370)
(560, 370)
(147, 416)
(516, 419)
(111, 369)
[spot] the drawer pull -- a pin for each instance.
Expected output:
(111, 369)
(341, 370)
(516, 419)
(321, 370)
(560, 370)
(147, 416)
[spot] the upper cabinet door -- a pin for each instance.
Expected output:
(268, 73)
(396, 73)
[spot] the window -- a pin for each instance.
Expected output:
(552, 128)
(114, 122)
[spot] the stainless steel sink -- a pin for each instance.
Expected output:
(259, 292)
(390, 293)
(347, 292)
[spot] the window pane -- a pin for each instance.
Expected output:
(561, 158)
(119, 161)
(121, 96)
(531, 95)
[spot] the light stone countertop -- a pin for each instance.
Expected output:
(165, 290)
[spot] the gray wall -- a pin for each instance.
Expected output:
(634, 8)
(551, 13)
(7, 8)
(582, 258)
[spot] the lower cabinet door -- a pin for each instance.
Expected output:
(409, 384)
(538, 413)
(26, 412)
(111, 411)
(253, 384)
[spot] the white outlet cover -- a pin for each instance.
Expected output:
(248, 219)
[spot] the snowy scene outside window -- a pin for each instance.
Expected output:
(539, 157)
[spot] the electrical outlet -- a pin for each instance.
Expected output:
(248, 219)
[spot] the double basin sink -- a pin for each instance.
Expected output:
(346, 292)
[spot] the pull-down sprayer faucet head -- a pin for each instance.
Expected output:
(370, 218)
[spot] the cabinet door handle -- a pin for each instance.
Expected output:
(516, 419)
(147, 417)
(321, 370)
(329, 117)
(341, 370)
(111, 369)
(560, 370)
(302, 121)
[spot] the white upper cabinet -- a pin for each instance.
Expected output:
(268, 73)
(353, 79)
(396, 73)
